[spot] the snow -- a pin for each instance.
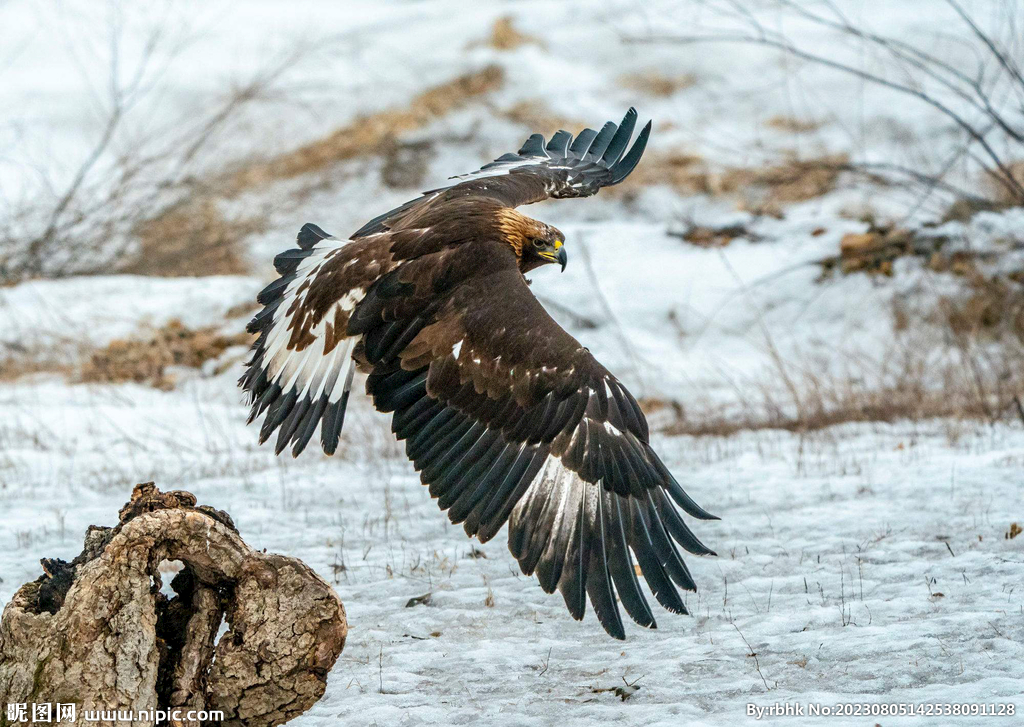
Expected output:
(96, 310)
(863, 563)
(832, 553)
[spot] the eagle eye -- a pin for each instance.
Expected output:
(538, 243)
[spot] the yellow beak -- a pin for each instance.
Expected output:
(557, 255)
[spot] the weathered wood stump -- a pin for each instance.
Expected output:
(97, 632)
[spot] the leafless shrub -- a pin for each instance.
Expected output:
(983, 103)
(152, 205)
(1000, 194)
(115, 207)
(193, 236)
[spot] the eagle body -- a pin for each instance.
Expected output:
(507, 417)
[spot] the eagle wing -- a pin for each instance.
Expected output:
(508, 418)
(560, 167)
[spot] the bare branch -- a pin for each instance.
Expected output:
(1001, 173)
(1003, 59)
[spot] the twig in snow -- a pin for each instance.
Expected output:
(757, 664)
(547, 661)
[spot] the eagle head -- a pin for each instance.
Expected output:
(535, 243)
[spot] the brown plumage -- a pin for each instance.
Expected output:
(504, 414)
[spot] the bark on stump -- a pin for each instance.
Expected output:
(98, 633)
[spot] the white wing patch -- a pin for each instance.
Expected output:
(287, 367)
(299, 386)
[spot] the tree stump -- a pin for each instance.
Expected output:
(98, 632)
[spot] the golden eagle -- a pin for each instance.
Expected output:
(505, 415)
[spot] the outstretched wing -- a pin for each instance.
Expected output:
(560, 167)
(508, 418)
(301, 368)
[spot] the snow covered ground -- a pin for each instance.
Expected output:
(861, 564)
(865, 563)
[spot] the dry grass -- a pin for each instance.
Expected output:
(13, 368)
(707, 237)
(686, 173)
(840, 402)
(142, 359)
(996, 196)
(505, 36)
(763, 190)
(405, 164)
(959, 358)
(968, 386)
(792, 125)
(991, 309)
(997, 192)
(655, 83)
(145, 360)
(371, 134)
(875, 251)
(192, 238)
(962, 210)
(769, 189)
